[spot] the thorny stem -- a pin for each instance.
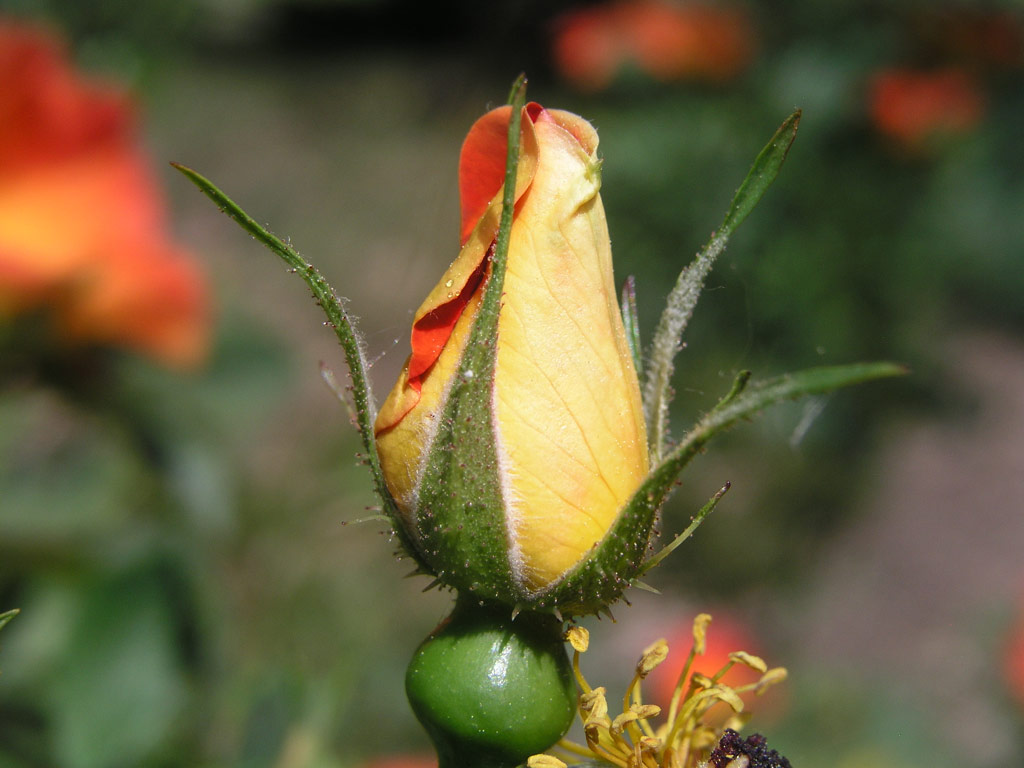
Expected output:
(683, 298)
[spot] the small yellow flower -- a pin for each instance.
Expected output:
(686, 738)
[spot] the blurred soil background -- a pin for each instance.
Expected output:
(191, 594)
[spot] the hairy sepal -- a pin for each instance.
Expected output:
(621, 556)
(460, 526)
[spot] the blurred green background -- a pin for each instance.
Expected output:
(190, 592)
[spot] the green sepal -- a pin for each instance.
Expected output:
(459, 522)
(695, 522)
(344, 328)
(682, 299)
(620, 557)
(6, 616)
(631, 323)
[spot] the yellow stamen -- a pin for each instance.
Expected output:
(701, 681)
(621, 721)
(631, 740)
(544, 761)
(567, 745)
(652, 656)
(645, 711)
(594, 703)
(633, 684)
(579, 639)
(770, 678)
(700, 632)
(593, 732)
(756, 663)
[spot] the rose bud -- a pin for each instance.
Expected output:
(510, 449)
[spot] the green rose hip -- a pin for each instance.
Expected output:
(490, 690)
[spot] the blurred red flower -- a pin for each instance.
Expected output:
(83, 237)
(911, 107)
(668, 41)
(1014, 659)
(981, 38)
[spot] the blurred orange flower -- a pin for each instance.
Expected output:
(724, 636)
(83, 237)
(668, 41)
(911, 106)
(1014, 659)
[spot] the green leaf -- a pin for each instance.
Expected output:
(119, 687)
(460, 515)
(338, 319)
(761, 175)
(631, 323)
(683, 298)
(62, 495)
(6, 616)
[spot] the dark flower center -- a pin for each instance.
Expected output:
(755, 748)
